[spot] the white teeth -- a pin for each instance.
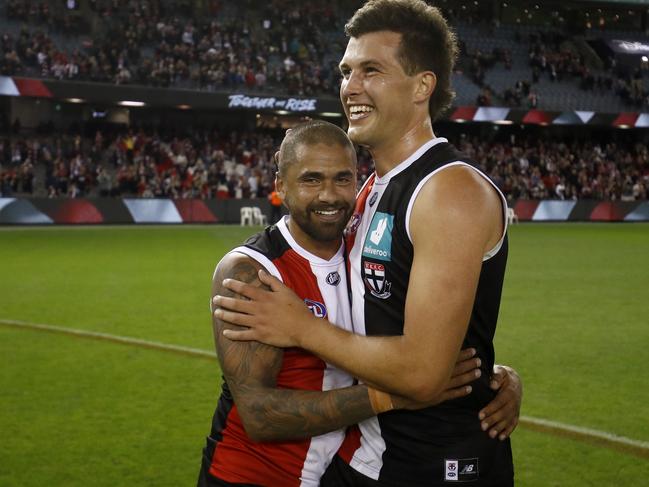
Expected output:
(360, 109)
(328, 212)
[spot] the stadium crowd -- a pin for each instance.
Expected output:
(214, 164)
(278, 46)
(283, 48)
(552, 58)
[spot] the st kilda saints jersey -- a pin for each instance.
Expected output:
(444, 443)
(322, 284)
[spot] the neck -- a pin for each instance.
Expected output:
(390, 154)
(325, 249)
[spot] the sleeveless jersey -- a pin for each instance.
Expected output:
(435, 444)
(322, 284)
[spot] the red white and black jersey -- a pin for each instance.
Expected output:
(232, 456)
(442, 443)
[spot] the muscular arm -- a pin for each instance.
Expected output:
(456, 203)
(251, 369)
(461, 206)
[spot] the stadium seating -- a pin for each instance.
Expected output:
(284, 49)
(247, 216)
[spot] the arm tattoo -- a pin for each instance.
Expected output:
(251, 368)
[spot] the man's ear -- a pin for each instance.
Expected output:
(279, 186)
(426, 83)
(276, 161)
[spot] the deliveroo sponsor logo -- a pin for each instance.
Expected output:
(378, 242)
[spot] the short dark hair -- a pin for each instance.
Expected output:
(427, 41)
(310, 133)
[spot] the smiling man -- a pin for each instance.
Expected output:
(427, 250)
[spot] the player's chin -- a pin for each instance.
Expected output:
(357, 133)
(361, 131)
(328, 231)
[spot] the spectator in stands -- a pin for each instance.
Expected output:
(275, 206)
(484, 98)
(104, 182)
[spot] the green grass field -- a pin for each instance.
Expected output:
(75, 411)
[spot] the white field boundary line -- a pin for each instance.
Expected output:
(138, 342)
(594, 437)
(113, 226)
(588, 435)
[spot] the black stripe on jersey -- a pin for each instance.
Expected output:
(270, 242)
(219, 423)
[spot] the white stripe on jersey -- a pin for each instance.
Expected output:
(368, 459)
(489, 254)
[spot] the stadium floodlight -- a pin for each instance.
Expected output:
(74, 100)
(645, 59)
(131, 103)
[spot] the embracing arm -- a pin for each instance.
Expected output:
(269, 413)
(251, 368)
(456, 203)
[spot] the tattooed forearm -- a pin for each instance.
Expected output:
(286, 414)
(251, 369)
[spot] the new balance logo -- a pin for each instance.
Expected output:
(467, 469)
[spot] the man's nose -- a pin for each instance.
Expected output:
(328, 192)
(351, 85)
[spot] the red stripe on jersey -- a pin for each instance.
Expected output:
(236, 458)
(351, 444)
(359, 209)
(299, 367)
